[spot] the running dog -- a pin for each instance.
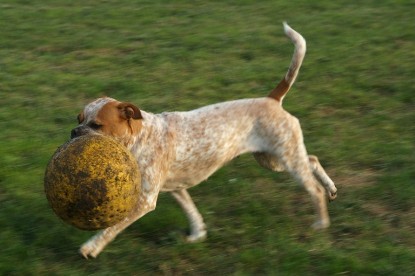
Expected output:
(178, 150)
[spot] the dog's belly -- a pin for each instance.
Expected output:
(196, 166)
(187, 179)
(190, 176)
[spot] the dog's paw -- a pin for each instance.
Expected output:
(332, 195)
(331, 191)
(197, 237)
(319, 225)
(89, 249)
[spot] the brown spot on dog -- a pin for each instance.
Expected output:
(81, 117)
(119, 120)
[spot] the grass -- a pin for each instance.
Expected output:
(354, 98)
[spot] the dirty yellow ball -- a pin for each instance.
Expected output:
(92, 182)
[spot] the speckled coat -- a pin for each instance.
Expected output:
(178, 150)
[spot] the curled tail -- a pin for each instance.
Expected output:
(285, 84)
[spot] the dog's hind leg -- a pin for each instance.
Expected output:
(270, 161)
(290, 154)
(197, 226)
(301, 170)
(322, 176)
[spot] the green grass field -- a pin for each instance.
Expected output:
(354, 97)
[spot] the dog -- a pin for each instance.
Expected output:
(178, 150)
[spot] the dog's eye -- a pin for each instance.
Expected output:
(94, 125)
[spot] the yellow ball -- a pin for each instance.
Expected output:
(92, 182)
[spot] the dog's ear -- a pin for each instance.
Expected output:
(81, 117)
(128, 111)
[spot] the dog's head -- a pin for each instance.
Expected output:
(107, 116)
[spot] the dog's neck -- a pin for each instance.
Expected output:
(151, 137)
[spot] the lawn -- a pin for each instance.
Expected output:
(354, 98)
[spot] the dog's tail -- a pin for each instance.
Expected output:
(285, 84)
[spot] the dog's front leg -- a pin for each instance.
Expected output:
(96, 244)
(197, 226)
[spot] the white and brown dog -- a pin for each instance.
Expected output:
(178, 150)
